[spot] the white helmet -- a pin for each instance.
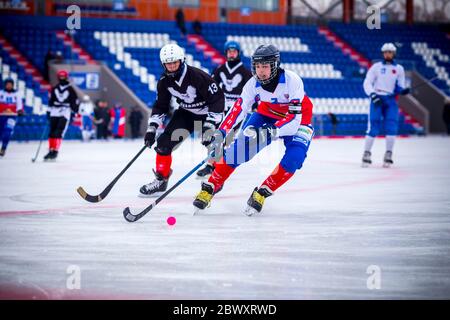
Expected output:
(388, 47)
(170, 53)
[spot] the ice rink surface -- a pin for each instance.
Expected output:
(334, 231)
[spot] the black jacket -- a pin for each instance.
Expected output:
(64, 96)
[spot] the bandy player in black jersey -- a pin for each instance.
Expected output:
(231, 77)
(200, 99)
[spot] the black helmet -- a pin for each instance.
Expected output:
(266, 54)
(8, 80)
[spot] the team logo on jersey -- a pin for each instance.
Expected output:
(61, 96)
(188, 97)
(383, 70)
(257, 98)
(286, 95)
(394, 71)
(232, 83)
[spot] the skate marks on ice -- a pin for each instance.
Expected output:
(317, 239)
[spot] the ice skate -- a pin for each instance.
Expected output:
(366, 160)
(205, 172)
(387, 161)
(256, 200)
(51, 156)
(204, 197)
(156, 187)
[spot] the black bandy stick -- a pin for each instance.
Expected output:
(105, 192)
(132, 217)
(44, 133)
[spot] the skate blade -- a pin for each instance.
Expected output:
(365, 165)
(249, 211)
(387, 165)
(153, 195)
(197, 211)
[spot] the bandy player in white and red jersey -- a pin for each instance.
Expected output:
(284, 111)
(11, 106)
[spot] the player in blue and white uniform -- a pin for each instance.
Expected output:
(87, 118)
(11, 106)
(383, 83)
(284, 111)
(231, 78)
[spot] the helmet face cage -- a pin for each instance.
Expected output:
(273, 61)
(176, 72)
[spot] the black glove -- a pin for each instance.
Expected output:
(150, 136)
(376, 100)
(75, 106)
(208, 132)
(20, 113)
(405, 91)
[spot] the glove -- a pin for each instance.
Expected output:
(405, 91)
(48, 115)
(376, 100)
(267, 130)
(20, 113)
(271, 130)
(150, 135)
(208, 132)
(215, 147)
(250, 132)
(75, 108)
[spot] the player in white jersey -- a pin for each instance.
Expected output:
(383, 82)
(87, 115)
(11, 106)
(231, 78)
(284, 111)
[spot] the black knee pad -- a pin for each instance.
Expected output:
(163, 151)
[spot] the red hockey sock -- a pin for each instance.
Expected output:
(221, 173)
(277, 178)
(52, 143)
(163, 164)
(57, 143)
